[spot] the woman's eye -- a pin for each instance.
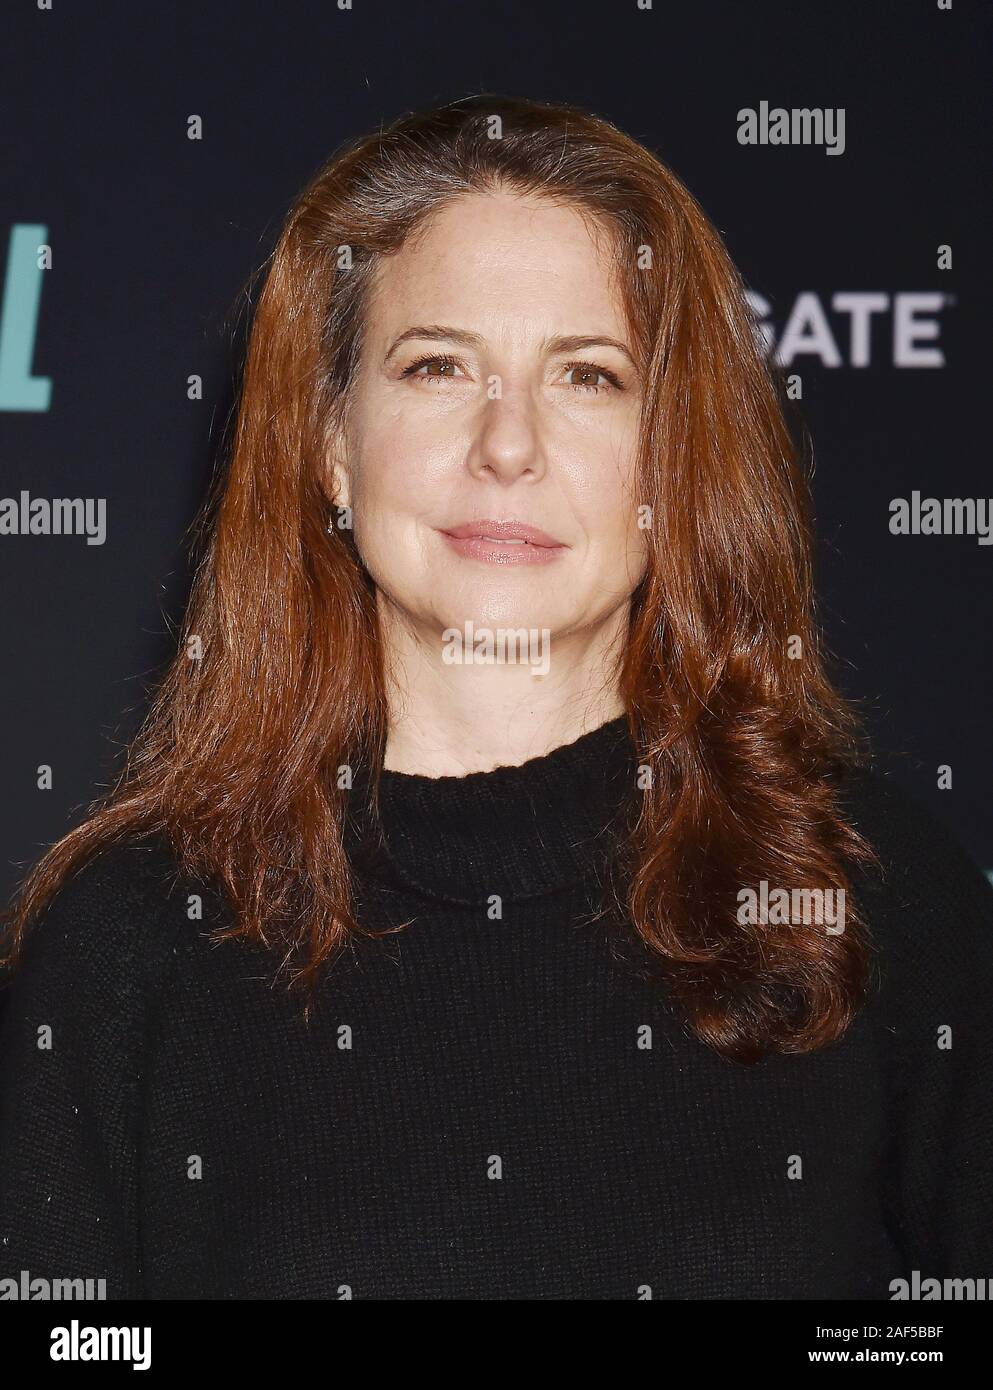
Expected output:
(587, 374)
(439, 368)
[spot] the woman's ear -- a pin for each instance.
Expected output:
(339, 483)
(337, 475)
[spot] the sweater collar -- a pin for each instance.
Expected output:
(517, 831)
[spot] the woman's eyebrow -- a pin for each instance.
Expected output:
(436, 332)
(577, 343)
(439, 332)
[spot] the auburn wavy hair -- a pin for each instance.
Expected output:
(723, 677)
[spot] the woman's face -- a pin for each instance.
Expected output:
(469, 405)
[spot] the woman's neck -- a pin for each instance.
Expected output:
(452, 714)
(444, 747)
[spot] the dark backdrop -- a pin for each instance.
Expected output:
(153, 237)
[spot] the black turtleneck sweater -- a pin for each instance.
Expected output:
(474, 1111)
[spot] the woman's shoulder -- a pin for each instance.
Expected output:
(915, 844)
(929, 904)
(109, 925)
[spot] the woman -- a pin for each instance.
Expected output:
(498, 902)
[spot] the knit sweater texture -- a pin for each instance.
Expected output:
(496, 1101)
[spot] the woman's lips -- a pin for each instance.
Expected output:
(504, 552)
(503, 543)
